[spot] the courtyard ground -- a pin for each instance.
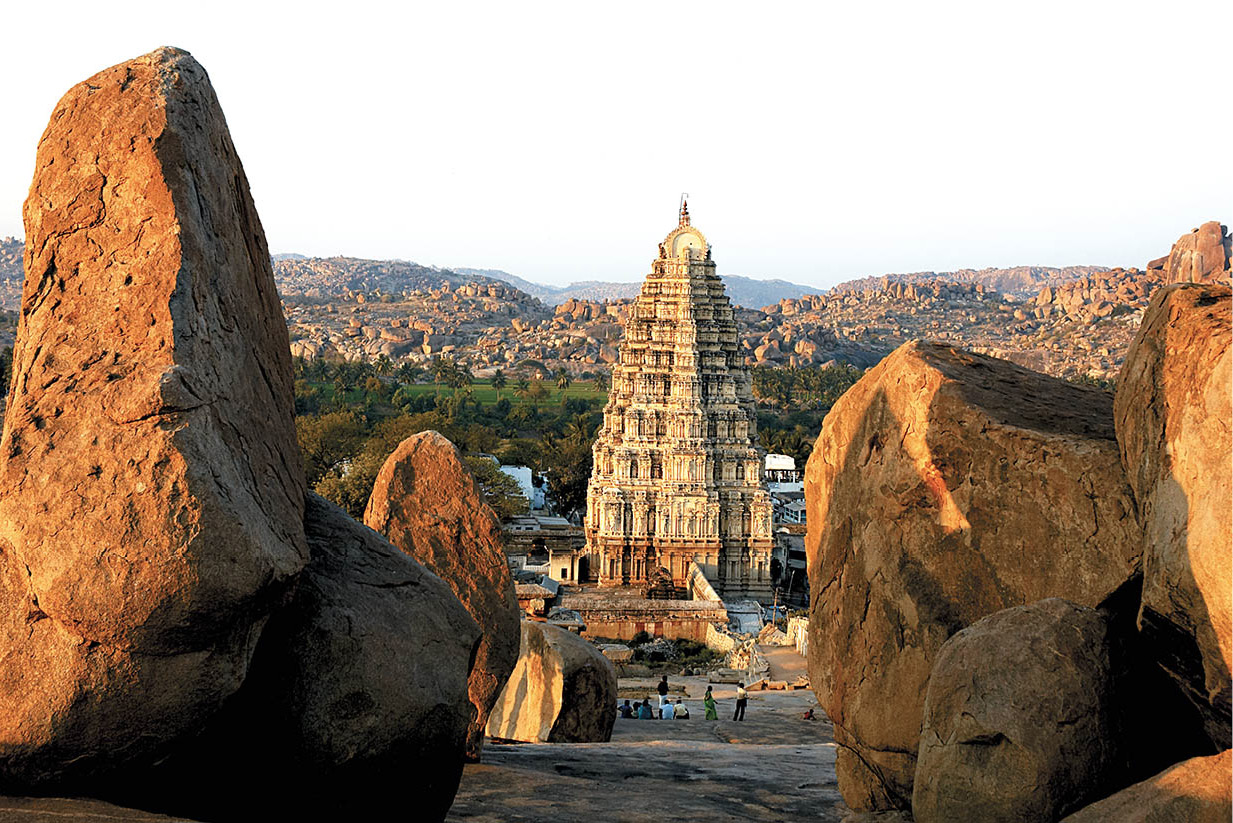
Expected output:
(772, 766)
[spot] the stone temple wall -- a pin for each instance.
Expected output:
(622, 617)
(677, 475)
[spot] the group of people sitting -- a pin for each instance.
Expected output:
(642, 710)
(667, 710)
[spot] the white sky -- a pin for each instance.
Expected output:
(819, 141)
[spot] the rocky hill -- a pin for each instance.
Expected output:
(1072, 322)
(11, 275)
(743, 291)
(1078, 329)
(1079, 323)
(347, 276)
(1019, 281)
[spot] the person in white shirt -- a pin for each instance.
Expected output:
(667, 712)
(742, 697)
(681, 712)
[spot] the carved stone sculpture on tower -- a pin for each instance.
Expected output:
(677, 477)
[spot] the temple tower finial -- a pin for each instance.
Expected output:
(684, 210)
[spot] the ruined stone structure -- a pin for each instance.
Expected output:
(677, 477)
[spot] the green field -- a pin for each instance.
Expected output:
(481, 391)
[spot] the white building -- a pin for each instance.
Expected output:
(781, 474)
(522, 474)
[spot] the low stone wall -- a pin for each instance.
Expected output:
(621, 617)
(719, 640)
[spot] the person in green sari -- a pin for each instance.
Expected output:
(709, 701)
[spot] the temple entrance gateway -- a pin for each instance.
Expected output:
(677, 476)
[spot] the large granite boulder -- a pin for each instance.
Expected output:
(151, 495)
(563, 690)
(1173, 415)
(355, 704)
(1193, 791)
(426, 503)
(1202, 256)
(946, 486)
(1021, 718)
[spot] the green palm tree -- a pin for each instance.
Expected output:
(563, 380)
(601, 383)
(578, 431)
(461, 377)
(442, 371)
(498, 382)
(409, 372)
(384, 366)
(522, 388)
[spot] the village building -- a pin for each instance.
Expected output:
(782, 474)
(677, 477)
(546, 544)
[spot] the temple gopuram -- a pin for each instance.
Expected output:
(677, 477)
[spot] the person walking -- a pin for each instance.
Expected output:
(708, 701)
(742, 697)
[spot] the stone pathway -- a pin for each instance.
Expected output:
(773, 766)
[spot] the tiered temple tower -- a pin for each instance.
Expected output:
(677, 477)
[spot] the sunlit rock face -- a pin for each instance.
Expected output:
(677, 478)
(1202, 256)
(1197, 790)
(1174, 413)
(563, 690)
(427, 504)
(946, 486)
(151, 496)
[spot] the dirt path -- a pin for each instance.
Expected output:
(786, 664)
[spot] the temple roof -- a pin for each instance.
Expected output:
(683, 237)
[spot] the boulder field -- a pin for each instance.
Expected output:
(181, 627)
(426, 503)
(946, 488)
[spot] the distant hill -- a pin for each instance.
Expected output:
(1019, 281)
(545, 293)
(326, 277)
(11, 272)
(743, 291)
(751, 293)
